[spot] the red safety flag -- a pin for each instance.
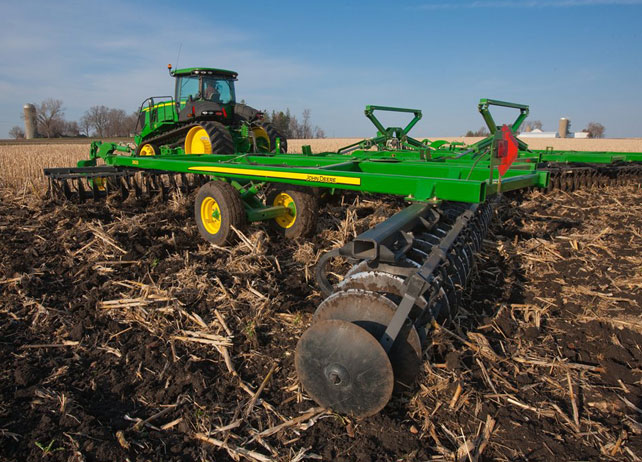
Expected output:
(506, 150)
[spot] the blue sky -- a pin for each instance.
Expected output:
(573, 58)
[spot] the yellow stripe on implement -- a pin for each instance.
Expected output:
(313, 177)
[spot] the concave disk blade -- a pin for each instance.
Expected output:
(373, 312)
(375, 281)
(344, 368)
(380, 282)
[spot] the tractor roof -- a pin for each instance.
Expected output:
(204, 70)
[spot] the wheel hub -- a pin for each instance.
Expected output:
(285, 200)
(337, 375)
(211, 215)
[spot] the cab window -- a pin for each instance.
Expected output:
(218, 90)
(188, 86)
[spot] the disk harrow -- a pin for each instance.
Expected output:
(573, 176)
(368, 335)
(405, 276)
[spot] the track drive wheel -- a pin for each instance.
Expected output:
(303, 210)
(218, 208)
(344, 368)
(209, 138)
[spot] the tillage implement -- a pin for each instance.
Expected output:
(369, 333)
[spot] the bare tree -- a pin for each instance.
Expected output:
(70, 128)
(17, 132)
(595, 130)
(294, 128)
(116, 124)
(119, 123)
(108, 122)
(306, 129)
(98, 117)
(85, 124)
(51, 117)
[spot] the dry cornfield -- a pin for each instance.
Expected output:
(21, 165)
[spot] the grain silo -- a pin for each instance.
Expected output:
(563, 128)
(30, 121)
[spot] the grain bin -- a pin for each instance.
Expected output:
(30, 121)
(563, 128)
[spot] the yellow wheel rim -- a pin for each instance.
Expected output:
(198, 141)
(262, 139)
(100, 183)
(285, 200)
(147, 150)
(211, 215)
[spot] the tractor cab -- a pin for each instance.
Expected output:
(203, 117)
(204, 93)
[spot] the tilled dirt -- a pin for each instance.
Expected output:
(125, 337)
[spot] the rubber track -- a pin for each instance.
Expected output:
(170, 136)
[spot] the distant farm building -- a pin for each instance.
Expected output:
(561, 133)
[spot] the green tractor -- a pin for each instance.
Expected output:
(203, 117)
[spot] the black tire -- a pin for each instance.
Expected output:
(273, 134)
(306, 206)
(220, 137)
(230, 206)
(245, 112)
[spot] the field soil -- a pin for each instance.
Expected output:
(124, 336)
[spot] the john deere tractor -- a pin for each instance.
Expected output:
(203, 117)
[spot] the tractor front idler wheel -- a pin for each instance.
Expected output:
(218, 209)
(301, 217)
(148, 149)
(344, 368)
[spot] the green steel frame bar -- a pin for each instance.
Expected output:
(420, 181)
(387, 133)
